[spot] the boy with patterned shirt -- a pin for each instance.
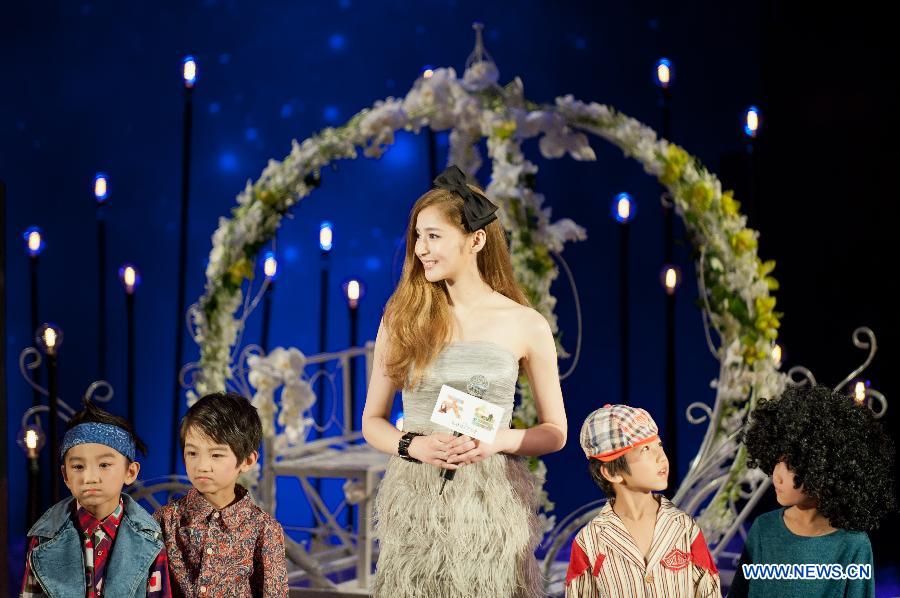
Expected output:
(98, 542)
(639, 544)
(218, 541)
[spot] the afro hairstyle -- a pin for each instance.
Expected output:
(838, 452)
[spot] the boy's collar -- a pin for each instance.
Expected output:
(615, 533)
(57, 517)
(666, 509)
(88, 522)
(197, 508)
(117, 512)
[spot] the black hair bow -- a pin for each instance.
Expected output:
(478, 211)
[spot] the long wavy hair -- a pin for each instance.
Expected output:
(417, 318)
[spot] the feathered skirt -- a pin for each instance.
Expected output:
(476, 540)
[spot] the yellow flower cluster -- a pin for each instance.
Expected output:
(743, 241)
(269, 197)
(701, 198)
(238, 271)
(729, 205)
(766, 319)
(675, 160)
(505, 129)
(764, 269)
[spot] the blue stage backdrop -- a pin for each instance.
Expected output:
(96, 86)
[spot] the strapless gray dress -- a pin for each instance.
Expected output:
(477, 539)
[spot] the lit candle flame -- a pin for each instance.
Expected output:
(101, 187)
(859, 392)
(776, 354)
(623, 209)
(326, 236)
(752, 121)
(50, 338)
(663, 74)
(671, 280)
(190, 71)
(270, 267)
(34, 241)
(353, 290)
(129, 278)
(31, 440)
(428, 73)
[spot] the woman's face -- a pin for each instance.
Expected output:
(441, 246)
(783, 478)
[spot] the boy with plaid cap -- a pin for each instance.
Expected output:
(639, 544)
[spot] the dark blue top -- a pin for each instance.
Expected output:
(771, 542)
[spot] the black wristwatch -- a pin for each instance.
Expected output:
(403, 447)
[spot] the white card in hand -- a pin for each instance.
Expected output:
(467, 414)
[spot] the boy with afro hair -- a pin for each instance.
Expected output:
(830, 463)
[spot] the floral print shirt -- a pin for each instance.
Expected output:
(237, 551)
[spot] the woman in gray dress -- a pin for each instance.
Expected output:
(459, 318)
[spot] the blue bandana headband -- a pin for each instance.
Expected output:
(106, 434)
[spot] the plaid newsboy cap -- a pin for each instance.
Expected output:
(613, 430)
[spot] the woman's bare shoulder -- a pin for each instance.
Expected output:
(527, 322)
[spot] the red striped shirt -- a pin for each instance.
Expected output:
(606, 563)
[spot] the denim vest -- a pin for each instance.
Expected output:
(58, 561)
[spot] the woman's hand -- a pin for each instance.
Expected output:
(465, 450)
(432, 449)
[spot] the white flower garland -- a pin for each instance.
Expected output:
(737, 283)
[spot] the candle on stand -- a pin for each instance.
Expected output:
(353, 290)
(623, 212)
(49, 339)
(270, 268)
(34, 245)
(671, 280)
(326, 243)
(130, 278)
(665, 75)
(752, 121)
(189, 77)
(101, 196)
(427, 72)
(31, 439)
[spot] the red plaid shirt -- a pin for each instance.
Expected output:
(234, 552)
(98, 541)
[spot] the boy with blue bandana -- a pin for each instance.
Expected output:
(98, 542)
